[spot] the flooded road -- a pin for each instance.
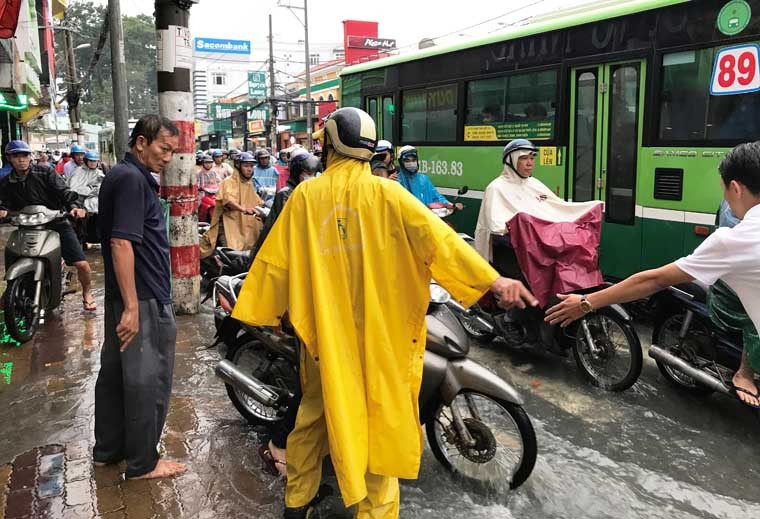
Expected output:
(651, 452)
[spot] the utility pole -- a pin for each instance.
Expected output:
(309, 105)
(72, 87)
(119, 69)
(272, 103)
(178, 180)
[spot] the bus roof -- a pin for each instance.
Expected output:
(576, 15)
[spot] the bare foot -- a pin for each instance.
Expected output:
(279, 456)
(746, 389)
(164, 469)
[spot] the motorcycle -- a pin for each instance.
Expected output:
(690, 351)
(474, 420)
(35, 274)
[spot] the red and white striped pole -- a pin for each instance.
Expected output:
(178, 182)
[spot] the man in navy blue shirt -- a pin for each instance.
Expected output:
(137, 360)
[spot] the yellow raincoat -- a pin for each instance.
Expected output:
(240, 230)
(350, 258)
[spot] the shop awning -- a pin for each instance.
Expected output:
(9, 11)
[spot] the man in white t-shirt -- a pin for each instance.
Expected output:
(732, 255)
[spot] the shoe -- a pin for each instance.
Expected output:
(308, 511)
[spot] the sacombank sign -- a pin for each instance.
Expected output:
(214, 46)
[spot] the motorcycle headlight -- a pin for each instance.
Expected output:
(31, 219)
(438, 294)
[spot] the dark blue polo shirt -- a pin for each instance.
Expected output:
(128, 208)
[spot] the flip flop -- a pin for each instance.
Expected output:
(89, 306)
(756, 395)
(270, 463)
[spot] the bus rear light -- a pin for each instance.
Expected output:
(701, 230)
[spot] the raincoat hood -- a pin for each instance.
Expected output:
(509, 194)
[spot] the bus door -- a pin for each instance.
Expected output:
(382, 109)
(605, 134)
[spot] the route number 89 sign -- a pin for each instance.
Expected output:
(736, 70)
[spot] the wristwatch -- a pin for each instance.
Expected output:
(586, 306)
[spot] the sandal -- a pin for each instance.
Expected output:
(270, 463)
(756, 395)
(89, 306)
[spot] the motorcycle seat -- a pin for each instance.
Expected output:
(697, 292)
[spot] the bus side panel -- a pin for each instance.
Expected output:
(620, 251)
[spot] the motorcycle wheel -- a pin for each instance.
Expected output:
(666, 336)
(252, 357)
(474, 329)
(21, 320)
(616, 365)
(505, 450)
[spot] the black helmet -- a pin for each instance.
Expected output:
(303, 162)
(351, 132)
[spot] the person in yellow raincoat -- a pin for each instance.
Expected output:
(234, 217)
(350, 258)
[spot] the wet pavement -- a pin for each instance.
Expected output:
(650, 452)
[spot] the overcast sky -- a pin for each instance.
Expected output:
(406, 21)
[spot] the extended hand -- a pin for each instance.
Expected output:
(512, 293)
(393, 176)
(128, 327)
(565, 312)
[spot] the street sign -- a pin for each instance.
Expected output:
(215, 46)
(259, 113)
(257, 85)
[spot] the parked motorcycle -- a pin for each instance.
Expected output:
(35, 274)
(474, 420)
(691, 352)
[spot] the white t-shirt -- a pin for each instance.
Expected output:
(732, 255)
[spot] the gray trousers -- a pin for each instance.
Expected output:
(133, 388)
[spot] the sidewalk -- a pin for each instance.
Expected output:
(47, 391)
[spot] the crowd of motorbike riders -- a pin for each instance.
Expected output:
(233, 186)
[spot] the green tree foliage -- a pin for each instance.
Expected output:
(86, 18)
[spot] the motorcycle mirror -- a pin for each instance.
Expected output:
(463, 190)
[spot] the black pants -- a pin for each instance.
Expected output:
(133, 388)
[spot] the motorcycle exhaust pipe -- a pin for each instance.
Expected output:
(681, 365)
(249, 385)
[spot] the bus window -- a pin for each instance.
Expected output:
(505, 108)
(429, 114)
(688, 113)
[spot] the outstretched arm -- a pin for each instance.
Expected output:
(635, 287)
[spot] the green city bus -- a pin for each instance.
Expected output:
(632, 103)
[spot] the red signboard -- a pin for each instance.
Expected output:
(352, 29)
(9, 10)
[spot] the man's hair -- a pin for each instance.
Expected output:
(149, 126)
(742, 164)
